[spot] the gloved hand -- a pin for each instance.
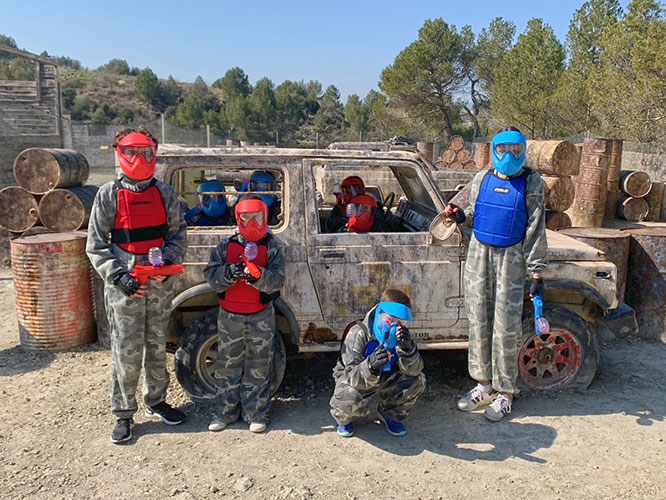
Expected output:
(162, 279)
(404, 338)
(537, 287)
(235, 271)
(378, 358)
(455, 212)
(126, 283)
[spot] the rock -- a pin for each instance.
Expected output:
(243, 484)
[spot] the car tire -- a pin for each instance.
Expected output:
(564, 358)
(196, 355)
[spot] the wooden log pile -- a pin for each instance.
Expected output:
(456, 156)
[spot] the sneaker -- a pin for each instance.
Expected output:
(122, 432)
(259, 425)
(346, 430)
(393, 426)
(474, 399)
(169, 416)
(500, 406)
(216, 424)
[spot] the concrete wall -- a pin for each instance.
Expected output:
(649, 158)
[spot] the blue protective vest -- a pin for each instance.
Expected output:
(500, 213)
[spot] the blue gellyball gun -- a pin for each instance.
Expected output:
(541, 324)
(389, 334)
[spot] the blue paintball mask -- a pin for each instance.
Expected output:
(388, 316)
(263, 181)
(509, 150)
(212, 198)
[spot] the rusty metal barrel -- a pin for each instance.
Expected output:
(634, 183)
(633, 209)
(52, 283)
(655, 199)
(591, 184)
(19, 210)
(646, 280)
(613, 179)
(613, 242)
(41, 169)
(67, 209)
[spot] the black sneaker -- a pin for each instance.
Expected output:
(169, 416)
(122, 432)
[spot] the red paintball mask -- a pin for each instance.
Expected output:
(361, 212)
(352, 186)
(252, 218)
(137, 154)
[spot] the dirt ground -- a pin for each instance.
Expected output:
(55, 427)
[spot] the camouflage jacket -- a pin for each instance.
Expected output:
(534, 244)
(272, 276)
(108, 258)
(352, 366)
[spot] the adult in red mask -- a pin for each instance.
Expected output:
(361, 212)
(351, 187)
(137, 154)
(252, 218)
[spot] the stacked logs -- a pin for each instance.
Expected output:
(50, 195)
(456, 156)
(557, 162)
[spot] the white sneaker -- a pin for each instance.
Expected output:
(474, 399)
(500, 406)
(216, 425)
(257, 426)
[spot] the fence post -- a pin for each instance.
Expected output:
(163, 131)
(207, 136)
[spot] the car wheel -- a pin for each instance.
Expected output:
(197, 354)
(564, 358)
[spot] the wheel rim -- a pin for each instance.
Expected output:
(205, 366)
(550, 360)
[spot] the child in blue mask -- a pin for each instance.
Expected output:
(378, 357)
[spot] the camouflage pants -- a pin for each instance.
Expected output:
(138, 333)
(494, 288)
(244, 364)
(397, 395)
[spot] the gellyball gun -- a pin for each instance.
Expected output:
(143, 273)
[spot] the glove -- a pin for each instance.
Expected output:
(459, 215)
(405, 339)
(126, 283)
(378, 358)
(537, 287)
(235, 272)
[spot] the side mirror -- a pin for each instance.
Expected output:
(442, 227)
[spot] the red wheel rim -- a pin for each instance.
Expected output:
(549, 360)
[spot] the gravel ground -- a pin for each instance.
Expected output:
(605, 443)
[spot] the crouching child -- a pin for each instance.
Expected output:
(246, 321)
(378, 357)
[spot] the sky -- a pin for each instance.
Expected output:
(344, 43)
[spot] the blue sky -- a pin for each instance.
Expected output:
(342, 43)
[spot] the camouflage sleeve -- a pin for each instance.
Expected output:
(175, 241)
(273, 275)
(215, 270)
(535, 246)
(98, 245)
(473, 194)
(357, 370)
(410, 363)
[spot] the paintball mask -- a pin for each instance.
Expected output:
(264, 181)
(137, 154)
(351, 187)
(252, 218)
(388, 316)
(214, 204)
(361, 212)
(509, 152)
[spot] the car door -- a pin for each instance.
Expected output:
(350, 271)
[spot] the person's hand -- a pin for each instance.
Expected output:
(235, 271)
(404, 338)
(455, 213)
(162, 279)
(129, 286)
(536, 286)
(378, 358)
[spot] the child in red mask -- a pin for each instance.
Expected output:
(246, 321)
(360, 212)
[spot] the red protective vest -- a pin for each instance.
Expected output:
(140, 219)
(240, 297)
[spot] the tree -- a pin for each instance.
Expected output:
(357, 114)
(170, 93)
(191, 111)
(116, 67)
(234, 83)
(147, 86)
(425, 75)
(626, 87)
(262, 110)
(585, 31)
(329, 119)
(526, 79)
